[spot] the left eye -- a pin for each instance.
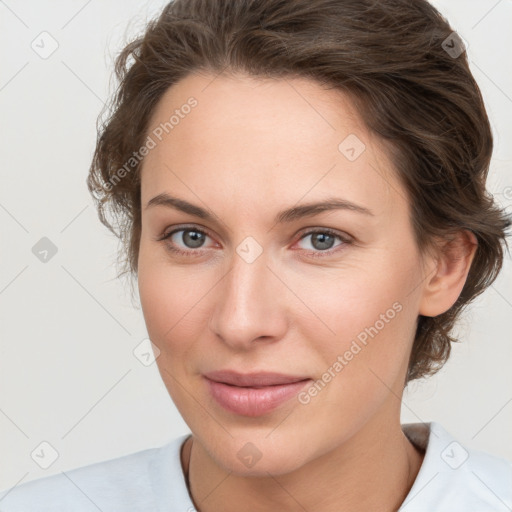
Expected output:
(322, 241)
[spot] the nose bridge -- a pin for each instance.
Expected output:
(246, 307)
(246, 283)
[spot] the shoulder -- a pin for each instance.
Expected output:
(130, 482)
(455, 477)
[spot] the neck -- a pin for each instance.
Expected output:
(373, 470)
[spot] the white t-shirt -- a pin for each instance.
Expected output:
(452, 478)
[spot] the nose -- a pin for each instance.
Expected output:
(249, 304)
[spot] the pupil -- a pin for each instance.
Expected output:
(321, 238)
(193, 239)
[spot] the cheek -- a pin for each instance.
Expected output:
(160, 293)
(167, 301)
(173, 301)
(368, 317)
(373, 322)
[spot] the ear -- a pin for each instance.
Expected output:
(447, 272)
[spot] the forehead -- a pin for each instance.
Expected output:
(278, 139)
(297, 112)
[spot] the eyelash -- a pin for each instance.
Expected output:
(314, 254)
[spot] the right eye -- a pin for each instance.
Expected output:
(185, 240)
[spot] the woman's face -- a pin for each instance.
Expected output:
(326, 294)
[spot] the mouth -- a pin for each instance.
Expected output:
(253, 380)
(253, 394)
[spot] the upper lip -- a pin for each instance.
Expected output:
(252, 379)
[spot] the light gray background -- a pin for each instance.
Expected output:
(68, 329)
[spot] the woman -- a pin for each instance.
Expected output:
(300, 187)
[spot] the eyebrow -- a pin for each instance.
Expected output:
(289, 215)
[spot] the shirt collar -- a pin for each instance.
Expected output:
(452, 477)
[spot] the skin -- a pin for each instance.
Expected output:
(249, 149)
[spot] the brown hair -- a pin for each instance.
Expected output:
(396, 60)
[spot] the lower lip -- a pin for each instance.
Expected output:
(253, 401)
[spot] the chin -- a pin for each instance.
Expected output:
(256, 456)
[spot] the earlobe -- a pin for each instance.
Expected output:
(448, 274)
